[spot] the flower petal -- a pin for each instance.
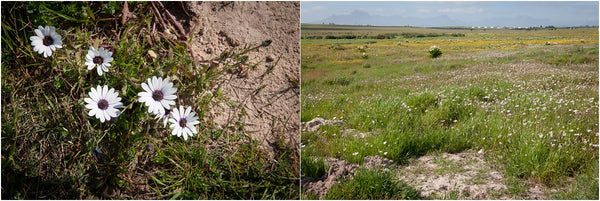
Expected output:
(89, 101)
(161, 110)
(110, 93)
(90, 65)
(94, 94)
(170, 97)
(47, 52)
(98, 114)
(191, 127)
(104, 91)
(187, 111)
(175, 131)
(146, 87)
(92, 112)
(39, 33)
(176, 115)
(143, 94)
(112, 112)
(150, 89)
(155, 83)
(165, 104)
(118, 105)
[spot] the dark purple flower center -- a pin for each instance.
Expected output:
(157, 95)
(98, 60)
(48, 41)
(182, 122)
(103, 104)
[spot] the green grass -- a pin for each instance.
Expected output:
(532, 107)
(309, 196)
(314, 168)
(372, 185)
(48, 140)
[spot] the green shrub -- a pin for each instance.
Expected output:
(435, 51)
(364, 56)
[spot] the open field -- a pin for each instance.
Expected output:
(522, 103)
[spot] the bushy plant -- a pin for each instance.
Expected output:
(364, 56)
(435, 51)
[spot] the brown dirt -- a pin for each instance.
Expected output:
(340, 169)
(273, 112)
(316, 123)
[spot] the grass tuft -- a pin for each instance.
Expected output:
(314, 168)
(372, 185)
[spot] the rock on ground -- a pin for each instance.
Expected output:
(316, 123)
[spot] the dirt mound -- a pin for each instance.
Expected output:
(316, 123)
(340, 169)
(377, 162)
(265, 98)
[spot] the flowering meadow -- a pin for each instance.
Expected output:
(104, 100)
(525, 99)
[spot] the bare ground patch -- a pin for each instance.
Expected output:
(265, 98)
(464, 175)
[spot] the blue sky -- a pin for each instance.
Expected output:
(558, 13)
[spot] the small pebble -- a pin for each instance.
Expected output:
(269, 59)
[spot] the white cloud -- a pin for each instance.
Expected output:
(461, 10)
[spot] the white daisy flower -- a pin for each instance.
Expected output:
(103, 103)
(100, 59)
(183, 122)
(158, 95)
(46, 40)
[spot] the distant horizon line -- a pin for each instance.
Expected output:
(460, 27)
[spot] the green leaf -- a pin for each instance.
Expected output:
(157, 181)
